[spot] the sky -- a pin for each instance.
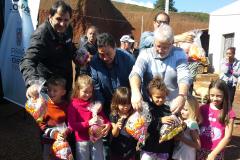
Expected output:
(206, 6)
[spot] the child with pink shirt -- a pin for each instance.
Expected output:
(217, 122)
(80, 119)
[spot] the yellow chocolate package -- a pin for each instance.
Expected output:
(168, 131)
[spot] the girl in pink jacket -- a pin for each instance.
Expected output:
(82, 118)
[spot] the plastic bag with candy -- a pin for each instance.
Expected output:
(138, 122)
(167, 131)
(194, 50)
(95, 130)
(36, 104)
(61, 148)
(196, 53)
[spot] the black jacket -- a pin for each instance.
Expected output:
(152, 142)
(124, 145)
(48, 54)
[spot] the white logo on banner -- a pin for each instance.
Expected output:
(15, 39)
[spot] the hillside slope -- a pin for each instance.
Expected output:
(101, 13)
(181, 22)
(119, 18)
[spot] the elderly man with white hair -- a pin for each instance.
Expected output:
(165, 60)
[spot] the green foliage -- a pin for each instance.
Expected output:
(203, 17)
(160, 4)
(131, 7)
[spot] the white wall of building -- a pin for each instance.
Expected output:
(224, 21)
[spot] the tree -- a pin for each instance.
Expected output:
(160, 4)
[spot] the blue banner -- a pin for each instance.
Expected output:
(15, 40)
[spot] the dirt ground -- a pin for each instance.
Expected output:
(233, 149)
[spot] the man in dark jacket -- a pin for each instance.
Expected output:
(51, 49)
(110, 69)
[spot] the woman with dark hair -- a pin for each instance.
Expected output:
(230, 71)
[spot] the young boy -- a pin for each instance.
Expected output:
(55, 115)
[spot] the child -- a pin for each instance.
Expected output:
(217, 122)
(189, 139)
(55, 115)
(123, 145)
(160, 114)
(80, 119)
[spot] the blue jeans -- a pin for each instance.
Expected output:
(46, 151)
(88, 150)
(232, 90)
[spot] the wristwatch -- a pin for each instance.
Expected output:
(184, 96)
